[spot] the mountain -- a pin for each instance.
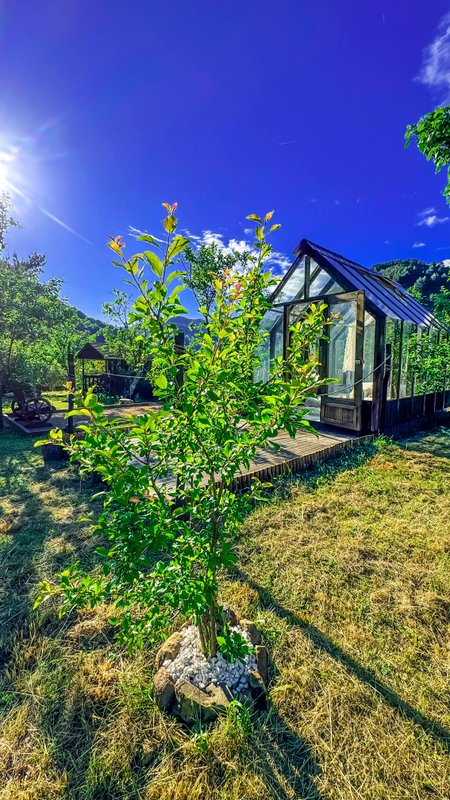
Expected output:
(421, 279)
(90, 328)
(185, 323)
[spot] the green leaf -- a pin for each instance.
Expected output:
(154, 262)
(179, 310)
(174, 294)
(173, 275)
(254, 218)
(161, 381)
(178, 244)
(170, 223)
(145, 237)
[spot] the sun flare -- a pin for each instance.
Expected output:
(6, 172)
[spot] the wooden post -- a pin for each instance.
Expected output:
(378, 377)
(179, 346)
(386, 376)
(71, 379)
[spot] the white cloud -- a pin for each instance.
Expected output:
(387, 241)
(210, 237)
(432, 219)
(278, 262)
(135, 232)
(419, 244)
(435, 71)
(426, 211)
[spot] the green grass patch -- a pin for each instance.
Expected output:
(347, 571)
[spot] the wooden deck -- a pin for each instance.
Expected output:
(300, 453)
(295, 455)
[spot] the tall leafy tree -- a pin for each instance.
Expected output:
(206, 265)
(31, 310)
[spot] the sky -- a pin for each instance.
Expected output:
(109, 108)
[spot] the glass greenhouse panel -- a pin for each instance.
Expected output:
(272, 346)
(393, 337)
(295, 286)
(321, 283)
(342, 349)
(406, 376)
(369, 356)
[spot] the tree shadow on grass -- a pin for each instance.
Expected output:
(285, 760)
(27, 526)
(366, 676)
(435, 442)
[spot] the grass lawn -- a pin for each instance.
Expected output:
(347, 573)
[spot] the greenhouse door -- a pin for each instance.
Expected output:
(341, 401)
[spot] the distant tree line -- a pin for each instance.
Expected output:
(428, 283)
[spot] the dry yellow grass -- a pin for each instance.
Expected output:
(348, 575)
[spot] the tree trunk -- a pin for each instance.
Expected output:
(2, 420)
(133, 384)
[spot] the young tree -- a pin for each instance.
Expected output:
(432, 136)
(31, 310)
(171, 513)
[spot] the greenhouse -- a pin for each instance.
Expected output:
(386, 352)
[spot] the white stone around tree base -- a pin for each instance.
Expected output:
(196, 688)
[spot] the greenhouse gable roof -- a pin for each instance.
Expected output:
(386, 295)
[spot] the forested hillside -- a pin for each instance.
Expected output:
(429, 283)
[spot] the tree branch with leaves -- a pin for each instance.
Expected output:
(432, 136)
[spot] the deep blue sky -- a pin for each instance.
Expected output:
(228, 107)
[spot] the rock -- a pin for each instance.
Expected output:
(169, 649)
(251, 630)
(261, 661)
(220, 696)
(193, 704)
(256, 682)
(163, 690)
(257, 690)
(125, 401)
(229, 617)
